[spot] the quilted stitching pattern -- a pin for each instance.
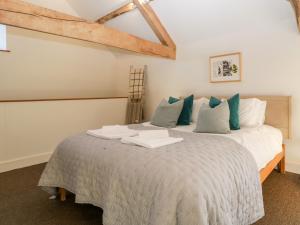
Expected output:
(204, 180)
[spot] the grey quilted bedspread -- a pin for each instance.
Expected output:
(204, 180)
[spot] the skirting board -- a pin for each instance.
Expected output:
(24, 162)
(293, 167)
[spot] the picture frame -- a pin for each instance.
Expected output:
(226, 68)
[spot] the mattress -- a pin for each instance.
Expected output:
(263, 142)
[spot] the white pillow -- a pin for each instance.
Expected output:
(196, 107)
(252, 112)
(261, 112)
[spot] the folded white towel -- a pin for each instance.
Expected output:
(151, 139)
(115, 128)
(154, 134)
(112, 132)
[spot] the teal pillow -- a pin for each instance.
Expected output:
(213, 102)
(186, 113)
(234, 106)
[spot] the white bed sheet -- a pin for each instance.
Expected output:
(264, 142)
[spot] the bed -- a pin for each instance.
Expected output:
(278, 115)
(277, 127)
(135, 183)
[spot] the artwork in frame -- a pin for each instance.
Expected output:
(226, 68)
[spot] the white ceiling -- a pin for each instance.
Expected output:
(192, 20)
(93, 9)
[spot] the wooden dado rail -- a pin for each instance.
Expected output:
(30, 129)
(58, 99)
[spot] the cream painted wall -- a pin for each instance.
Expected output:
(30, 132)
(46, 66)
(271, 54)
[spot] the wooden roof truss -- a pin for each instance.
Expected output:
(296, 4)
(21, 14)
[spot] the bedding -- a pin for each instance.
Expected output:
(151, 143)
(113, 132)
(252, 112)
(204, 180)
(262, 106)
(263, 142)
(166, 114)
(233, 103)
(196, 107)
(151, 139)
(213, 120)
(186, 113)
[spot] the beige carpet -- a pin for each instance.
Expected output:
(23, 203)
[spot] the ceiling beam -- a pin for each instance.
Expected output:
(118, 12)
(28, 16)
(154, 22)
(30, 9)
(296, 4)
(148, 14)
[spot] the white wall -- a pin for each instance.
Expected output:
(271, 53)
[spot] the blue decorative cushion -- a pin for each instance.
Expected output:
(186, 113)
(234, 107)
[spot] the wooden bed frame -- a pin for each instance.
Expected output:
(279, 161)
(278, 114)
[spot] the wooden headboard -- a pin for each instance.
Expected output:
(278, 113)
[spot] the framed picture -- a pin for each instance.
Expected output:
(226, 68)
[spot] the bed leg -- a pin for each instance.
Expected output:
(62, 194)
(281, 165)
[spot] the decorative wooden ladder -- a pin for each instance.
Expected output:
(136, 95)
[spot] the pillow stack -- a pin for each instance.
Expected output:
(211, 116)
(187, 109)
(252, 112)
(213, 120)
(174, 112)
(166, 114)
(242, 113)
(234, 106)
(198, 103)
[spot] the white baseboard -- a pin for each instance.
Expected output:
(293, 167)
(24, 161)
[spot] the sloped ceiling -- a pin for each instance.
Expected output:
(131, 22)
(58, 5)
(92, 9)
(192, 20)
